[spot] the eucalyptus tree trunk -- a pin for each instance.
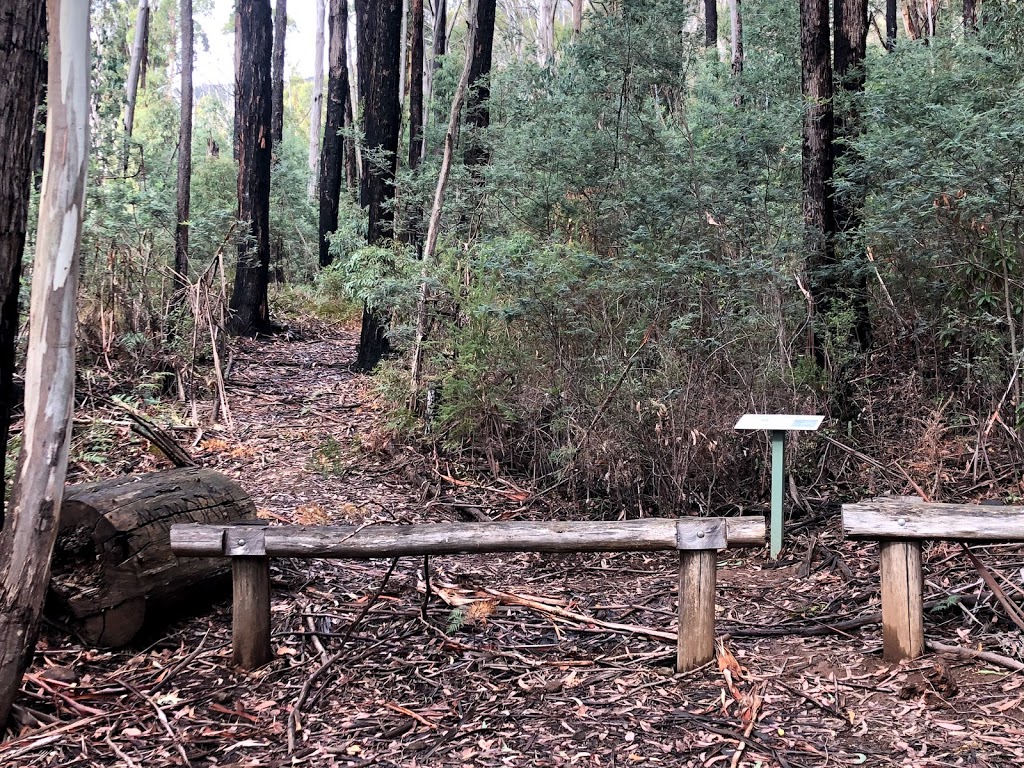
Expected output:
(478, 112)
(416, 86)
(818, 213)
(337, 96)
(438, 46)
(379, 62)
(138, 49)
(26, 542)
(434, 227)
(277, 92)
(181, 229)
(736, 37)
(546, 32)
(920, 18)
(890, 24)
(710, 23)
(403, 55)
(39, 119)
(250, 312)
(316, 106)
(970, 17)
(851, 38)
(439, 40)
(22, 49)
(414, 228)
(577, 17)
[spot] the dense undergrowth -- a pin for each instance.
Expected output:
(629, 276)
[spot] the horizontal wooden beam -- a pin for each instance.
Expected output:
(649, 534)
(913, 519)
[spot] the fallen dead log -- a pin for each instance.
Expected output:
(113, 563)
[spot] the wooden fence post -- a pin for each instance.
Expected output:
(698, 558)
(902, 602)
(250, 595)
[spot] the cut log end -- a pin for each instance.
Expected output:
(112, 557)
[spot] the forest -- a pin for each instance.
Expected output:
(503, 275)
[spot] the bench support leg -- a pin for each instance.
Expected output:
(902, 603)
(696, 643)
(250, 611)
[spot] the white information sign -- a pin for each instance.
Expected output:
(779, 421)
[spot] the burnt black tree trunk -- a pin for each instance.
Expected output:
(39, 137)
(710, 23)
(414, 223)
(478, 112)
(379, 62)
(416, 86)
(280, 27)
(851, 40)
(184, 153)
(22, 46)
(250, 313)
(440, 44)
(890, 24)
(331, 157)
(818, 161)
(970, 16)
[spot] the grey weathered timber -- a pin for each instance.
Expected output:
(250, 547)
(900, 524)
(112, 554)
(649, 534)
(905, 518)
(902, 600)
(696, 643)
(250, 611)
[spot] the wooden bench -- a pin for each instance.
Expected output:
(899, 525)
(250, 547)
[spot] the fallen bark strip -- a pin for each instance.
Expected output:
(840, 627)
(511, 599)
(970, 653)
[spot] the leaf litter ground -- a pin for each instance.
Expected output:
(510, 659)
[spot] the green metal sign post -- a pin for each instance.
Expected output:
(778, 484)
(778, 424)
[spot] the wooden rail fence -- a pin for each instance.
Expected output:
(250, 547)
(899, 525)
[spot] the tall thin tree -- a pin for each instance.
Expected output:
(26, 542)
(437, 207)
(253, 43)
(316, 102)
(851, 38)
(736, 37)
(818, 127)
(22, 46)
(439, 44)
(890, 24)
(277, 93)
(546, 32)
(137, 64)
(710, 23)
(414, 229)
(970, 16)
(331, 157)
(577, 17)
(478, 97)
(382, 121)
(438, 47)
(351, 104)
(181, 230)
(416, 86)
